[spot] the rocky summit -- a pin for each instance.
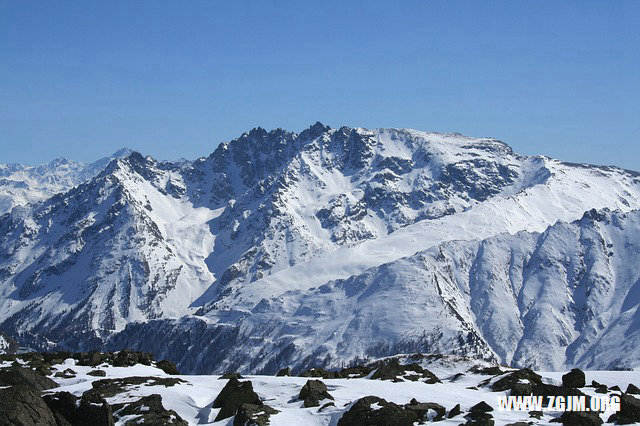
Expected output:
(325, 249)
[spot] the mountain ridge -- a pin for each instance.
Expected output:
(233, 249)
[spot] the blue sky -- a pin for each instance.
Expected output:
(174, 79)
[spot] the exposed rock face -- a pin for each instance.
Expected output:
(313, 392)
(579, 418)
(253, 415)
(25, 376)
(392, 370)
(516, 378)
(148, 410)
(232, 396)
(91, 408)
(111, 387)
(574, 379)
(374, 411)
(284, 372)
(22, 405)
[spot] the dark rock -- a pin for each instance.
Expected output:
(479, 419)
(168, 367)
(313, 392)
(321, 373)
(579, 418)
(422, 410)
(629, 409)
(110, 387)
(25, 376)
(227, 376)
(633, 389)
(507, 382)
(602, 389)
(63, 403)
(22, 405)
(481, 407)
(327, 405)
(536, 414)
(456, 410)
(389, 414)
(89, 359)
(232, 396)
(489, 371)
(574, 379)
(355, 372)
(284, 372)
(94, 410)
(90, 409)
(127, 358)
(66, 374)
(150, 411)
(97, 373)
(615, 388)
(252, 414)
(392, 370)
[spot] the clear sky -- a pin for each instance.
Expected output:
(173, 79)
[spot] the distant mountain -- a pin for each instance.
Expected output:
(329, 246)
(21, 184)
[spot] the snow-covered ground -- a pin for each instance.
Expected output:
(192, 400)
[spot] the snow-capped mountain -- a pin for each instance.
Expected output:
(21, 184)
(329, 246)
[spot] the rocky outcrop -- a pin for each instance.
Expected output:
(313, 392)
(232, 396)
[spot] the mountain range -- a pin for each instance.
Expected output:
(325, 248)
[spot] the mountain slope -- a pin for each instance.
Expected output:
(323, 247)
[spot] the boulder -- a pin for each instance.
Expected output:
(284, 372)
(25, 376)
(148, 410)
(392, 370)
(374, 411)
(22, 405)
(232, 396)
(97, 373)
(168, 367)
(508, 381)
(313, 392)
(579, 418)
(574, 379)
(631, 388)
(427, 410)
(227, 376)
(456, 410)
(629, 409)
(321, 373)
(90, 409)
(252, 414)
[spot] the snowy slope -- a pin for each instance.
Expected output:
(327, 246)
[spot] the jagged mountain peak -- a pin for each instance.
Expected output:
(279, 235)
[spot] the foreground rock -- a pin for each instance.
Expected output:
(574, 379)
(479, 415)
(91, 408)
(25, 376)
(313, 392)
(579, 418)
(148, 410)
(427, 410)
(22, 405)
(374, 411)
(251, 414)
(629, 410)
(232, 396)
